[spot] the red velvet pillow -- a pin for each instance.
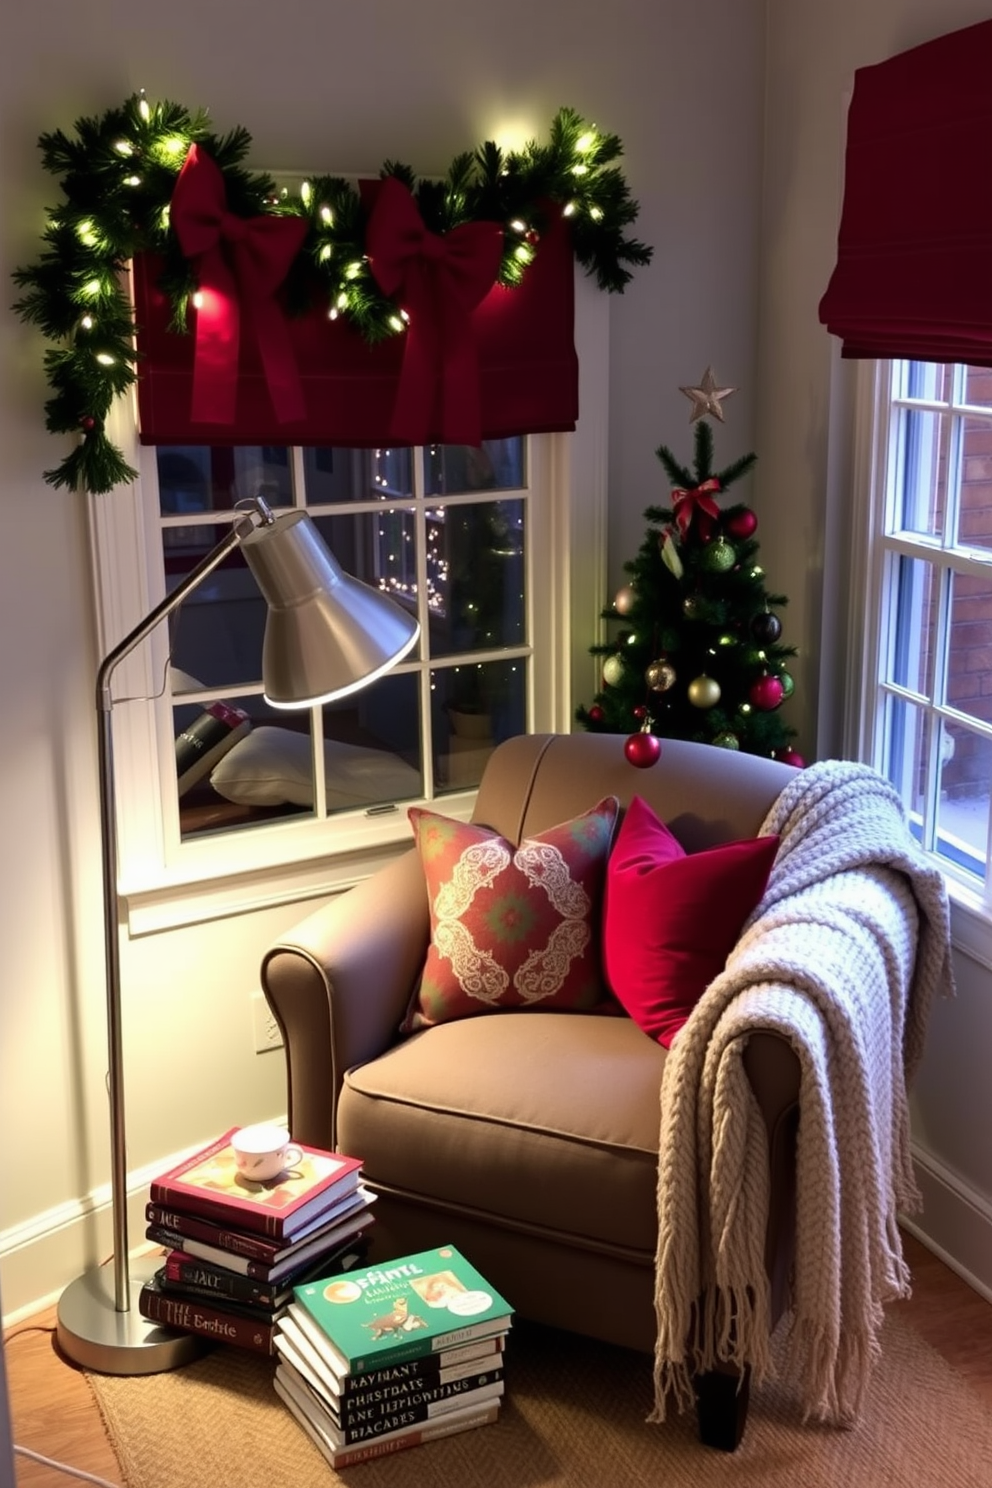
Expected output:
(511, 927)
(671, 919)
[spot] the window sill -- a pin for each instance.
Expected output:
(207, 886)
(971, 923)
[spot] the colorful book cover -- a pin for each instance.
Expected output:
(255, 1247)
(417, 1304)
(209, 1185)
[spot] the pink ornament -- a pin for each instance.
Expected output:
(766, 693)
(596, 714)
(790, 757)
(742, 524)
(642, 750)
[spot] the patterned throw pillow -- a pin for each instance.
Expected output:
(511, 927)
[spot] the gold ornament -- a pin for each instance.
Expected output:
(625, 600)
(706, 398)
(660, 676)
(704, 692)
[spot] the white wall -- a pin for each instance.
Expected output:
(803, 434)
(338, 88)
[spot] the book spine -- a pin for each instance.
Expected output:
(253, 1246)
(185, 1274)
(206, 740)
(400, 1407)
(208, 1320)
(431, 1370)
(258, 1270)
(399, 1353)
(366, 1451)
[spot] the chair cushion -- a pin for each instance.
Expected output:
(671, 919)
(511, 926)
(539, 1121)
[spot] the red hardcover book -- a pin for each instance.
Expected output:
(209, 1186)
(255, 1247)
(207, 1319)
(317, 1247)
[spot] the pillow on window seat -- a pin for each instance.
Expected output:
(511, 927)
(672, 918)
(273, 767)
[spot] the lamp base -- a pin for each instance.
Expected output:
(92, 1333)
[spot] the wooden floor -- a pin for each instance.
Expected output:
(54, 1413)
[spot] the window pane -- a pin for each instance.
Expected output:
(969, 664)
(905, 754)
(451, 469)
(477, 576)
(372, 745)
(216, 634)
(975, 516)
(341, 475)
(379, 548)
(921, 471)
(963, 815)
(196, 479)
(473, 708)
(913, 598)
(240, 763)
(932, 382)
(978, 386)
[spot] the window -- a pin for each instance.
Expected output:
(926, 699)
(502, 551)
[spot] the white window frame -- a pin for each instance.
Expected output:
(870, 553)
(163, 883)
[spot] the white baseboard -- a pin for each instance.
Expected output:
(955, 1222)
(39, 1258)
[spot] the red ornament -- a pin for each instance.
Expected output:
(596, 714)
(532, 236)
(766, 693)
(642, 750)
(640, 712)
(88, 423)
(741, 524)
(790, 757)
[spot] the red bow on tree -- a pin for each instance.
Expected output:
(241, 262)
(438, 281)
(686, 503)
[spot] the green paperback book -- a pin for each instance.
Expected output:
(403, 1309)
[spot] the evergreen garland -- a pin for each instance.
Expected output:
(118, 172)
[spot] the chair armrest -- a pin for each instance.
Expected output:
(773, 1070)
(338, 986)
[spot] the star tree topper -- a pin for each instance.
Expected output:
(707, 397)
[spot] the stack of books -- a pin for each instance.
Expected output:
(237, 1248)
(375, 1360)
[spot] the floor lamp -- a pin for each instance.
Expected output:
(326, 635)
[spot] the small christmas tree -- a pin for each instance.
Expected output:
(696, 654)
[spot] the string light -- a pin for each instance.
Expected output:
(325, 253)
(124, 147)
(326, 215)
(86, 234)
(353, 270)
(143, 108)
(305, 193)
(105, 359)
(585, 142)
(87, 323)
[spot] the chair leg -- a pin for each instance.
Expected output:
(721, 1408)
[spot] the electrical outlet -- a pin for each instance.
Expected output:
(267, 1032)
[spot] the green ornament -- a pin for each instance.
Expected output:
(727, 740)
(720, 556)
(788, 686)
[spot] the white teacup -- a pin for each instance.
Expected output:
(263, 1151)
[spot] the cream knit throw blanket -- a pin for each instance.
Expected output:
(842, 956)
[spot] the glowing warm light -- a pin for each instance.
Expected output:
(353, 270)
(85, 233)
(332, 314)
(524, 253)
(143, 108)
(325, 253)
(124, 147)
(132, 180)
(198, 300)
(87, 322)
(518, 226)
(93, 288)
(105, 359)
(596, 213)
(174, 145)
(326, 215)
(569, 210)
(342, 301)
(396, 322)
(306, 193)
(585, 143)
(580, 170)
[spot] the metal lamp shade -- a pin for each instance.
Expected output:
(327, 634)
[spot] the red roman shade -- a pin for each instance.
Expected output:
(914, 253)
(524, 338)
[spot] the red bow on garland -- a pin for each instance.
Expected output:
(241, 263)
(438, 281)
(686, 503)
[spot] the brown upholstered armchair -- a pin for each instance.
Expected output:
(529, 1139)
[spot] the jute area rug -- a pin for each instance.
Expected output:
(573, 1417)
